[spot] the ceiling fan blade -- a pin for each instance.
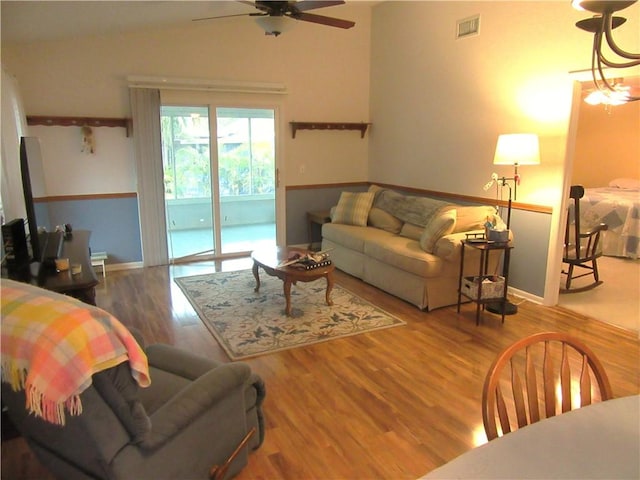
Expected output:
(226, 16)
(313, 4)
(322, 20)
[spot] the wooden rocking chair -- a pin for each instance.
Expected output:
(580, 248)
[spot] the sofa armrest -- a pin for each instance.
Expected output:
(448, 247)
(198, 397)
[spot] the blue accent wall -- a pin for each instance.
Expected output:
(528, 268)
(115, 228)
(113, 222)
(301, 201)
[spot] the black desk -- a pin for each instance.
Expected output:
(81, 285)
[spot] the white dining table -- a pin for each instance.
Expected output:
(597, 441)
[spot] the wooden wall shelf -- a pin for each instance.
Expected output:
(51, 121)
(295, 126)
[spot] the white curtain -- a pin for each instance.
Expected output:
(145, 108)
(14, 124)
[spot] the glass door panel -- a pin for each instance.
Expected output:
(187, 180)
(246, 178)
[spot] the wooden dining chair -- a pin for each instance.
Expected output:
(581, 248)
(538, 377)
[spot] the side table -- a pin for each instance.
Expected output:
(485, 249)
(318, 218)
(80, 285)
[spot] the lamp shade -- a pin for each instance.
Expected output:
(517, 149)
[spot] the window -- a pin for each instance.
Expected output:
(246, 155)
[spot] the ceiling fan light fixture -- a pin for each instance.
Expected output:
(602, 26)
(606, 97)
(274, 24)
(602, 6)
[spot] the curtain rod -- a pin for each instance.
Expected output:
(170, 83)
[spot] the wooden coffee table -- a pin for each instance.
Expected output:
(269, 258)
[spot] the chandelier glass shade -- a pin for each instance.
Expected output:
(274, 24)
(602, 26)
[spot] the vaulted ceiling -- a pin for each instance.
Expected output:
(27, 21)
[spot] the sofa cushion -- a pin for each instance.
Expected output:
(378, 218)
(353, 208)
(118, 388)
(411, 231)
(153, 399)
(472, 217)
(405, 254)
(353, 237)
(439, 226)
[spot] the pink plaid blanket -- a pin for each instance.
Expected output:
(52, 345)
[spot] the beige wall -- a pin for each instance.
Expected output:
(325, 70)
(607, 144)
(438, 104)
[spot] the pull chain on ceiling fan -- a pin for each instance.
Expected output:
(273, 15)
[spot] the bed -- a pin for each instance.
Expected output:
(617, 205)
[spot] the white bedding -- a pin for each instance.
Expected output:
(620, 209)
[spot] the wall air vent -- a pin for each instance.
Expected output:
(468, 27)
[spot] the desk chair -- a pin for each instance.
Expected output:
(581, 249)
(523, 384)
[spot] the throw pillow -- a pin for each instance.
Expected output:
(375, 188)
(378, 218)
(353, 208)
(625, 183)
(439, 226)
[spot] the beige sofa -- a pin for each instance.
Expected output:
(408, 246)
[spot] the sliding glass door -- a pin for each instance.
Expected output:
(246, 178)
(219, 195)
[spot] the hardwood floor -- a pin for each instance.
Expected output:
(390, 404)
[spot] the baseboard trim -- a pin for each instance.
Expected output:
(114, 267)
(525, 295)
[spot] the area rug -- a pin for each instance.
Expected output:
(248, 323)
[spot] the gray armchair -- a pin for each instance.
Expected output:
(196, 413)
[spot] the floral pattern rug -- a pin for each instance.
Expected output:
(248, 323)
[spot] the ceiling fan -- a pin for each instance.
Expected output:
(272, 15)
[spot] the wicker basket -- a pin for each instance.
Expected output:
(492, 287)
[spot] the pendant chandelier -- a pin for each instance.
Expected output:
(601, 25)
